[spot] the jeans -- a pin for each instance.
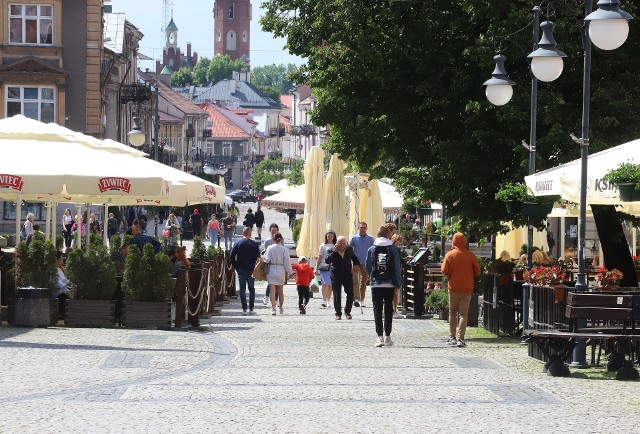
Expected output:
(244, 278)
(382, 296)
(303, 295)
(458, 304)
(213, 237)
(228, 239)
(337, 282)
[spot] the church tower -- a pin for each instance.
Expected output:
(232, 33)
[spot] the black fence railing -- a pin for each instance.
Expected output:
(502, 305)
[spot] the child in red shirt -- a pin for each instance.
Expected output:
(304, 274)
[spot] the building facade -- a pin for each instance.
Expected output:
(172, 57)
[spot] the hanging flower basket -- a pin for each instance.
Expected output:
(513, 206)
(628, 192)
(538, 210)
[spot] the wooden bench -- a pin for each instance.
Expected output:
(601, 318)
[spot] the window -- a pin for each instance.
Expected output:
(244, 36)
(231, 41)
(219, 36)
(31, 24)
(231, 10)
(9, 211)
(227, 149)
(34, 102)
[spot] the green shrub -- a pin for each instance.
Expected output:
(514, 191)
(213, 251)
(59, 242)
(624, 173)
(132, 278)
(146, 276)
(36, 266)
(199, 250)
(438, 300)
(93, 273)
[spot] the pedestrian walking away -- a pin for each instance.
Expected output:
(273, 230)
(196, 222)
(461, 267)
(277, 256)
(213, 229)
(228, 226)
(244, 256)
(324, 269)
(383, 265)
(361, 242)
(249, 219)
(341, 260)
(259, 217)
(304, 275)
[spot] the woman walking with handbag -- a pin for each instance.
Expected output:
(324, 269)
(277, 256)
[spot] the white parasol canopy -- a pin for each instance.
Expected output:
(335, 198)
(278, 186)
(313, 222)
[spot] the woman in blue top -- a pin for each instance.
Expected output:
(383, 267)
(323, 268)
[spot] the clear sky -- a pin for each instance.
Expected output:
(194, 19)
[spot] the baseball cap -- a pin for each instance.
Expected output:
(302, 258)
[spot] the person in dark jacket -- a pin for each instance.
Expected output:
(244, 255)
(249, 219)
(196, 222)
(259, 216)
(342, 261)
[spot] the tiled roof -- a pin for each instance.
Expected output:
(171, 26)
(173, 97)
(224, 126)
(246, 95)
(166, 118)
(286, 100)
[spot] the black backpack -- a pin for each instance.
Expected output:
(383, 265)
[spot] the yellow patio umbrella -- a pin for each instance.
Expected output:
(313, 221)
(358, 185)
(335, 198)
(376, 216)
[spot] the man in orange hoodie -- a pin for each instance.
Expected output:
(461, 267)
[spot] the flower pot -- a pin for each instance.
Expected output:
(513, 206)
(519, 274)
(628, 192)
(609, 287)
(504, 279)
(536, 210)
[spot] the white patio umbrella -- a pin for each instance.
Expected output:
(313, 221)
(290, 198)
(335, 198)
(278, 186)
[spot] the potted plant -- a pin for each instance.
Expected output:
(438, 301)
(409, 206)
(513, 195)
(94, 275)
(627, 177)
(36, 277)
(519, 269)
(199, 250)
(553, 275)
(147, 288)
(609, 279)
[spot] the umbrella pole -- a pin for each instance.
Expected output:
(78, 226)
(87, 231)
(47, 225)
(105, 239)
(18, 216)
(54, 208)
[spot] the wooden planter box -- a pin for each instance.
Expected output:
(146, 314)
(89, 313)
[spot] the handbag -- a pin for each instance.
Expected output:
(258, 270)
(166, 233)
(265, 267)
(324, 267)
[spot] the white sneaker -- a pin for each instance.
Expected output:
(379, 342)
(461, 343)
(396, 315)
(387, 341)
(452, 341)
(281, 311)
(244, 312)
(265, 300)
(273, 312)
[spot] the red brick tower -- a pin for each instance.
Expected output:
(232, 28)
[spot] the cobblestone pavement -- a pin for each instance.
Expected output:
(292, 373)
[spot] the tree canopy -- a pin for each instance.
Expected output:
(400, 84)
(213, 70)
(181, 77)
(277, 76)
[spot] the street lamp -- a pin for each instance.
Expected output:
(499, 87)
(546, 60)
(136, 135)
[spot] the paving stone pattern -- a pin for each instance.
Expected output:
(292, 373)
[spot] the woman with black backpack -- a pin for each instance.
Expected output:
(383, 267)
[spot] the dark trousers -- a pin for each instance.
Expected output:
(67, 235)
(337, 283)
(382, 297)
(303, 295)
(244, 278)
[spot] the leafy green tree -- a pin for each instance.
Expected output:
(221, 67)
(266, 172)
(200, 71)
(271, 91)
(182, 77)
(274, 75)
(296, 176)
(400, 84)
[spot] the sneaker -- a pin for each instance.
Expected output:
(396, 315)
(461, 343)
(265, 300)
(251, 312)
(452, 340)
(324, 305)
(244, 311)
(281, 311)
(379, 342)
(356, 303)
(303, 309)
(387, 341)
(273, 312)
(347, 315)
(338, 317)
